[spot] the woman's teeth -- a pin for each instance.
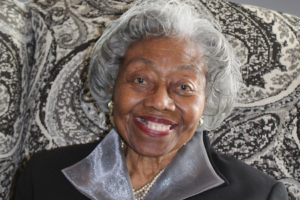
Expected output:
(154, 126)
(158, 127)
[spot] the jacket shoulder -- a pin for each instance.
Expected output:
(43, 179)
(63, 156)
(244, 181)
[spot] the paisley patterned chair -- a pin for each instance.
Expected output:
(44, 101)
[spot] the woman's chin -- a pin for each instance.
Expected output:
(153, 151)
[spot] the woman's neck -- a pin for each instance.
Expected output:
(143, 169)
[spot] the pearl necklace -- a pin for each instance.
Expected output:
(143, 191)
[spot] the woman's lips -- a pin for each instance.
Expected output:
(154, 127)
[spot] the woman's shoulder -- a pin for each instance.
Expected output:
(244, 179)
(43, 179)
(62, 156)
(233, 169)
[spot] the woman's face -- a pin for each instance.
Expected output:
(159, 95)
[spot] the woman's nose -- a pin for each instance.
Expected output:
(160, 100)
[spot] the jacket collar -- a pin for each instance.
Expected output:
(104, 174)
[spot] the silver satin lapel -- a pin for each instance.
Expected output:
(189, 173)
(103, 175)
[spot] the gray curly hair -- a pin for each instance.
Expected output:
(168, 19)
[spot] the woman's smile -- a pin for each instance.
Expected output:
(153, 126)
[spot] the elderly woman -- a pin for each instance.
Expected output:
(165, 73)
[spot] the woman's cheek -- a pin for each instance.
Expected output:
(126, 99)
(192, 111)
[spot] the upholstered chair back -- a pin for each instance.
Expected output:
(45, 103)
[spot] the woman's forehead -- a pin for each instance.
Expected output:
(158, 52)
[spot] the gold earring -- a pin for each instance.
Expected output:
(110, 106)
(200, 123)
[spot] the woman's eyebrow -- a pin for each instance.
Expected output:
(143, 60)
(152, 64)
(190, 67)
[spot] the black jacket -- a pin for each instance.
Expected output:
(43, 179)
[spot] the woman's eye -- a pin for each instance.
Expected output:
(184, 87)
(140, 81)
